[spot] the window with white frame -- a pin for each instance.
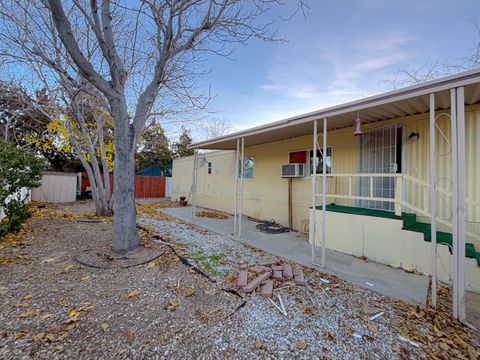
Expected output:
(249, 163)
(319, 164)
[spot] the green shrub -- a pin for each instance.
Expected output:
(19, 169)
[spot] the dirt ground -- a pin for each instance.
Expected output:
(54, 307)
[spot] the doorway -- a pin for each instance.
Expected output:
(380, 151)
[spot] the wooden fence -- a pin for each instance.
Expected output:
(145, 186)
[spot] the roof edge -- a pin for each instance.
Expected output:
(441, 84)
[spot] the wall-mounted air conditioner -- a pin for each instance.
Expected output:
(293, 170)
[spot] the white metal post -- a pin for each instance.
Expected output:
(242, 174)
(433, 200)
(235, 219)
(461, 202)
(313, 226)
(324, 191)
(454, 169)
(194, 183)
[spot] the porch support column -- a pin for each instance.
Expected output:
(235, 219)
(242, 174)
(324, 191)
(313, 225)
(194, 183)
(433, 200)
(454, 170)
(460, 92)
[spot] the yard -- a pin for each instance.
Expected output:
(184, 303)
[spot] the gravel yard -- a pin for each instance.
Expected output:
(54, 307)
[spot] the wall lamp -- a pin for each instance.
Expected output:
(414, 136)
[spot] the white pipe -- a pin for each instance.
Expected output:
(324, 191)
(242, 175)
(194, 183)
(235, 219)
(461, 201)
(454, 169)
(433, 201)
(314, 190)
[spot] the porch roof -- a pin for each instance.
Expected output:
(398, 103)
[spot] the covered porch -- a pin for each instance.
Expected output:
(387, 188)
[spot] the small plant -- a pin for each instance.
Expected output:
(19, 169)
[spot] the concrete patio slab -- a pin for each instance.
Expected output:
(411, 288)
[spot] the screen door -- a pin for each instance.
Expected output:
(377, 150)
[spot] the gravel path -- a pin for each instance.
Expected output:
(55, 308)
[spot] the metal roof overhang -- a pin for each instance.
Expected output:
(398, 103)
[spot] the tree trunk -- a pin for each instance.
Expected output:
(124, 227)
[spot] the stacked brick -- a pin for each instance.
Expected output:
(268, 272)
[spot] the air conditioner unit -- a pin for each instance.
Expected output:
(293, 170)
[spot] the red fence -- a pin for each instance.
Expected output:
(145, 186)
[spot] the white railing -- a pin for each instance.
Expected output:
(399, 191)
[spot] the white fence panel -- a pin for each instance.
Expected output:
(56, 187)
(23, 192)
(168, 187)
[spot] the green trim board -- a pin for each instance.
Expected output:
(409, 223)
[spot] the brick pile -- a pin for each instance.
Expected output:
(267, 272)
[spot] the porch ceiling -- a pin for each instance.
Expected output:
(399, 103)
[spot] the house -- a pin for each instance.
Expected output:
(155, 170)
(372, 169)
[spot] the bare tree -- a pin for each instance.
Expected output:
(435, 69)
(140, 56)
(214, 128)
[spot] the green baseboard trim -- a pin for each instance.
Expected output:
(409, 223)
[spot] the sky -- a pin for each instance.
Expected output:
(343, 50)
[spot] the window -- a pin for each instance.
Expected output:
(249, 162)
(320, 161)
(209, 167)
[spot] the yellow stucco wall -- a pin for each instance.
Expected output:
(266, 195)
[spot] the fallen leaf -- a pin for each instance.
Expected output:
(46, 261)
(85, 277)
(301, 345)
(74, 312)
(151, 264)
(28, 314)
(68, 268)
(172, 305)
(328, 336)
(132, 294)
(28, 296)
(20, 334)
(460, 342)
(130, 336)
(39, 336)
(25, 304)
(58, 348)
(190, 292)
(46, 316)
(258, 344)
(104, 326)
(372, 327)
(50, 338)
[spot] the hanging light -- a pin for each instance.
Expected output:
(358, 126)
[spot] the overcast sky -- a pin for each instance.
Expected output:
(344, 50)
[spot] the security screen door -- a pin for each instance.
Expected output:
(377, 150)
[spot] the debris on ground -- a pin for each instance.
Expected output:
(267, 272)
(184, 305)
(211, 215)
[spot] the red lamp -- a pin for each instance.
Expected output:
(358, 126)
